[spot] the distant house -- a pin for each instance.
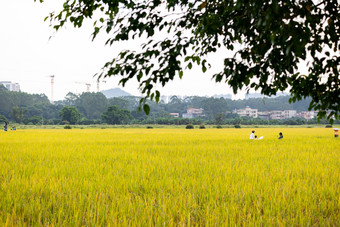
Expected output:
(277, 114)
(264, 115)
(174, 114)
(274, 114)
(246, 112)
(306, 115)
(192, 113)
(289, 113)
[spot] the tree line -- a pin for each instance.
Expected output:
(95, 108)
(268, 39)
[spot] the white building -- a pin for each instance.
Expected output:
(11, 86)
(306, 115)
(264, 115)
(174, 114)
(192, 112)
(246, 112)
(289, 113)
(277, 114)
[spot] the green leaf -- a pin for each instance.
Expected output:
(146, 109)
(190, 65)
(180, 74)
(157, 96)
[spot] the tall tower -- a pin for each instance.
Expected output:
(98, 84)
(88, 87)
(52, 85)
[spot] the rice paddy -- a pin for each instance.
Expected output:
(169, 177)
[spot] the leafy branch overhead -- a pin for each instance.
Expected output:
(272, 39)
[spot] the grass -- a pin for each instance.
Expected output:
(144, 177)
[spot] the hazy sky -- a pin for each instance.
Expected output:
(28, 56)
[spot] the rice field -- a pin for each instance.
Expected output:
(169, 177)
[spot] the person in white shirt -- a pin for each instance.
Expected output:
(258, 138)
(252, 135)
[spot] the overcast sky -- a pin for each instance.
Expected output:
(28, 56)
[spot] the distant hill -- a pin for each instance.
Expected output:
(115, 92)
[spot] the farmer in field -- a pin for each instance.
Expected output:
(280, 136)
(261, 137)
(336, 132)
(252, 135)
(5, 127)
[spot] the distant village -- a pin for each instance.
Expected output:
(192, 113)
(254, 113)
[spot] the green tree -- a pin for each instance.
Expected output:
(91, 104)
(176, 105)
(70, 114)
(114, 115)
(269, 39)
(219, 119)
(33, 120)
(2, 88)
(162, 114)
(213, 106)
(71, 99)
(10, 99)
(3, 119)
(18, 114)
(122, 103)
(6, 103)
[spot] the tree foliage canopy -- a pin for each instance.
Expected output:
(114, 115)
(70, 114)
(269, 39)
